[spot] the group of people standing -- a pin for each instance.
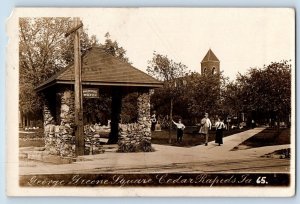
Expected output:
(204, 129)
(205, 126)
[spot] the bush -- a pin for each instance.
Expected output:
(143, 146)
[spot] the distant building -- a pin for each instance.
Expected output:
(210, 64)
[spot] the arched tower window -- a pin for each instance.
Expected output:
(213, 70)
(204, 70)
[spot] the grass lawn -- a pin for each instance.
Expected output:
(33, 138)
(269, 137)
(189, 140)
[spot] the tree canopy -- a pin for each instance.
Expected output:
(165, 69)
(172, 74)
(41, 54)
(267, 89)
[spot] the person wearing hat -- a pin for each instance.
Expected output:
(205, 126)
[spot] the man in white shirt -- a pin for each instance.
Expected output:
(205, 126)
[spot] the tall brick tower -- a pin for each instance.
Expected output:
(210, 64)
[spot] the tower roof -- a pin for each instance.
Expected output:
(210, 56)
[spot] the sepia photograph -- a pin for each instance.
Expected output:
(151, 102)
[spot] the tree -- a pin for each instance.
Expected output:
(43, 51)
(172, 74)
(113, 48)
(268, 90)
(204, 94)
(264, 93)
(232, 103)
(165, 69)
(86, 42)
(40, 47)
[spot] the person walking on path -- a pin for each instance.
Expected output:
(180, 127)
(219, 131)
(205, 126)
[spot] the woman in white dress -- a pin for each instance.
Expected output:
(219, 131)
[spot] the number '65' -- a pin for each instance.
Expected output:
(261, 180)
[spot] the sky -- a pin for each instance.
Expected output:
(240, 38)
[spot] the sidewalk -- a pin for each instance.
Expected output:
(211, 158)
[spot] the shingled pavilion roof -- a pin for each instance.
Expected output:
(101, 68)
(210, 56)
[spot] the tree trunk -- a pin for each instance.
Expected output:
(27, 121)
(278, 125)
(171, 118)
(22, 118)
(23, 121)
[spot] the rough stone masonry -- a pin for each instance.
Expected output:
(60, 139)
(135, 137)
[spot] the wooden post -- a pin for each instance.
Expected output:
(171, 119)
(79, 135)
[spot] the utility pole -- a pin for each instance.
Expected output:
(171, 120)
(79, 135)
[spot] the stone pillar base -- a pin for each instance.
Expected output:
(136, 137)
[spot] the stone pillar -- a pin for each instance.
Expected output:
(65, 133)
(136, 137)
(143, 108)
(49, 125)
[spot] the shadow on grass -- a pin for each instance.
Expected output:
(268, 137)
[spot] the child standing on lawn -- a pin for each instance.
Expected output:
(180, 128)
